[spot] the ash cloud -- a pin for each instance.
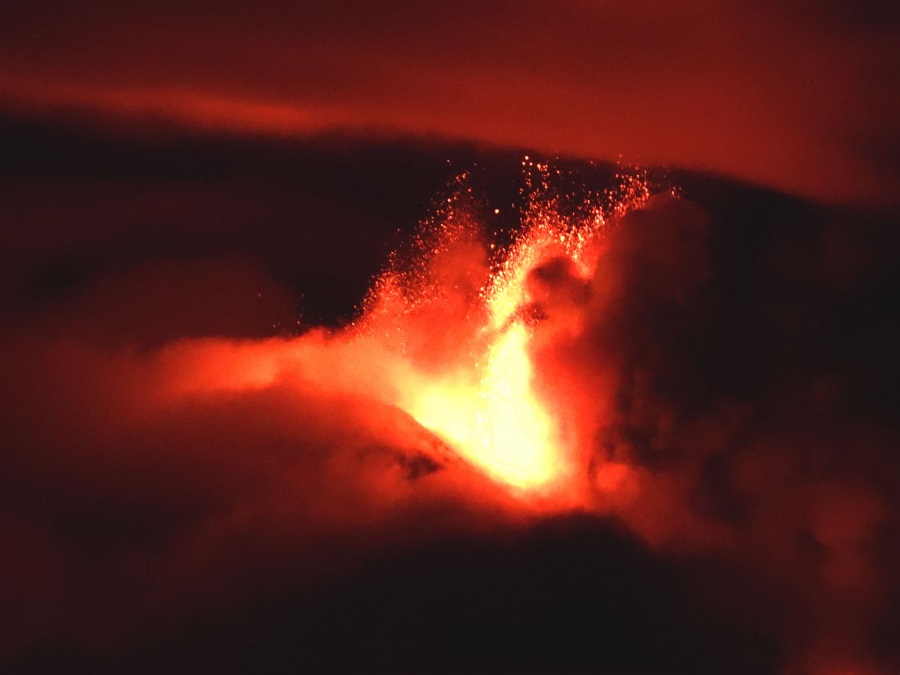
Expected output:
(744, 447)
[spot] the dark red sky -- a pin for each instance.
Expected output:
(798, 95)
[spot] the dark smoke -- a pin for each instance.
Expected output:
(743, 445)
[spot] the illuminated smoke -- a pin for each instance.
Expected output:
(446, 335)
(506, 375)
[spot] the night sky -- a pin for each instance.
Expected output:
(183, 185)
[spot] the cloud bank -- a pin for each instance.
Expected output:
(796, 95)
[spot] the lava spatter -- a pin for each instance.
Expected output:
(476, 390)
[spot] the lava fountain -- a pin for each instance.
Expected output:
(464, 328)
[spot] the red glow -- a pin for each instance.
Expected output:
(447, 338)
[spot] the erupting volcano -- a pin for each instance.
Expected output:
(577, 404)
(306, 369)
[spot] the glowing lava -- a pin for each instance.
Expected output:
(477, 391)
(497, 422)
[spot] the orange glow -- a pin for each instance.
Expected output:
(496, 422)
(481, 400)
(447, 336)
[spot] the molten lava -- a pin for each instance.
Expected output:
(476, 390)
(496, 421)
